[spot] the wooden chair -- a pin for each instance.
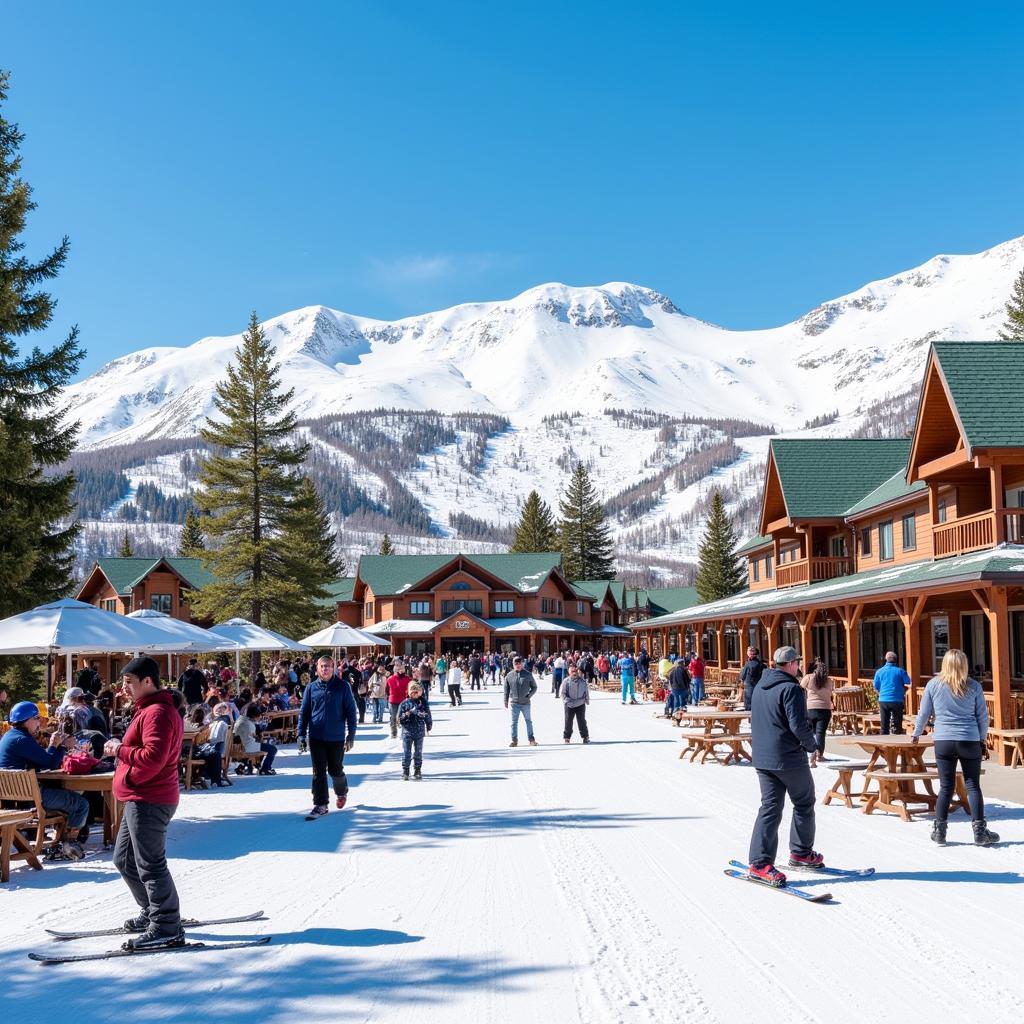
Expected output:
(10, 822)
(22, 787)
(236, 754)
(848, 705)
(189, 762)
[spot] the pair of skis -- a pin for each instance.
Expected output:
(737, 869)
(110, 954)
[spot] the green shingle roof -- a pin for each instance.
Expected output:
(1002, 563)
(125, 573)
(892, 490)
(339, 590)
(665, 599)
(984, 378)
(387, 575)
(753, 544)
(822, 477)
(594, 589)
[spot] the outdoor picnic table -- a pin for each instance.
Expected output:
(101, 782)
(904, 768)
(720, 728)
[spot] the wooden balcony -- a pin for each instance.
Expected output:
(977, 532)
(811, 570)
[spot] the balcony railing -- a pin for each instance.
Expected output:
(971, 533)
(813, 570)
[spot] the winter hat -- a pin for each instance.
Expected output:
(23, 711)
(143, 667)
(75, 691)
(784, 655)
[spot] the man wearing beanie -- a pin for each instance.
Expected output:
(146, 781)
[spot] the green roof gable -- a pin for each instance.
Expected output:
(388, 575)
(984, 380)
(593, 589)
(339, 590)
(673, 599)
(125, 573)
(823, 477)
(753, 544)
(893, 489)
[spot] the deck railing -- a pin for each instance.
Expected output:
(811, 570)
(971, 533)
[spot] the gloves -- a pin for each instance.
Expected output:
(302, 744)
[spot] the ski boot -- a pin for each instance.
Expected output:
(767, 873)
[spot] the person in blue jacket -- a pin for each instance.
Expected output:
(891, 684)
(328, 714)
(20, 750)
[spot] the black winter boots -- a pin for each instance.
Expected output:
(939, 832)
(982, 835)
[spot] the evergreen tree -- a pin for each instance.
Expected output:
(535, 530)
(718, 570)
(1013, 328)
(36, 526)
(249, 485)
(191, 544)
(583, 533)
(309, 542)
(126, 550)
(386, 547)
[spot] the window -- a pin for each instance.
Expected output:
(368, 611)
(504, 607)
(550, 606)
(581, 607)
(756, 567)
(910, 533)
(878, 636)
(419, 607)
(460, 586)
(769, 566)
(463, 604)
(110, 604)
(885, 552)
(160, 603)
(942, 510)
(865, 542)
(837, 546)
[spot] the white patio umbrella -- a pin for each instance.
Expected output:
(187, 636)
(250, 637)
(73, 627)
(337, 634)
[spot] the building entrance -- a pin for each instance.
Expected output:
(461, 644)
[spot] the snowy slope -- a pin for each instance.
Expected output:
(579, 348)
(570, 884)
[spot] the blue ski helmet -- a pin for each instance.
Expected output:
(23, 711)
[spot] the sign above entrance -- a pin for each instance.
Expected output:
(463, 624)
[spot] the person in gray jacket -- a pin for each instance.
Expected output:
(520, 686)
(961, 728)
(576, 697)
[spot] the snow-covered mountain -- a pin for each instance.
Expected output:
(618, 345)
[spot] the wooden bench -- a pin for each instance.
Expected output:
(897, 790)
(701, 743)
(841, 787)
(238, 756)
(1013, 738)
(22, 787)
(10, 822)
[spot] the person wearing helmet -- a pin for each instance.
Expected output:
(20, 750)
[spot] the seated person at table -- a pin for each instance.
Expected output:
(279, 700)
(220, 726)
(20, 750)
(245, 729)
(97, 719)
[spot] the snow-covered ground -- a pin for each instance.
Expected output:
(557, 883)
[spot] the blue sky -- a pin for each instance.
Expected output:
(749, 160)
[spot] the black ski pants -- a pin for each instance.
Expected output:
(819, 719)
(579, 715)
(798, 784)
(892, 717)
(328, 759)
(968, 753)
(140, 854)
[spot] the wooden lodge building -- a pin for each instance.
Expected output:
(911, 545)
(434, 604)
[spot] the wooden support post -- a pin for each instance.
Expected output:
(909, 611)
(771, 634)
(851, 614)
(720, 641)
(994, 603)
(681, 640)
(805, 620)
(998, 497)
(744, 639)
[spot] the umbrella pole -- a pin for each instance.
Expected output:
(170, 669)
(49, 678)
(67, 670)
(238, 661)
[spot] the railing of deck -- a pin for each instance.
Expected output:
(971, 533)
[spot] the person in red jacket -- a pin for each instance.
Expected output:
(146, 782)
(398, 690)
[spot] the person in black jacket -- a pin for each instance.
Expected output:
(679, 681)
(192, 683)
(781, 738)
(751, 674)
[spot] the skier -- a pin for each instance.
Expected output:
(414, 715)
(781, 738)
(961, 728)
(576, 697)
(520, 686)
(328, 714)
(627, 674)
(146, 783)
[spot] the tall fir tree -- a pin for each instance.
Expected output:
(583, 533)
(126, 550)
(192, 544)
(386, 547)
(308, 538)
(718, 570)
(37, 530)
(535, 530)
(248, 487)
(1013, 326)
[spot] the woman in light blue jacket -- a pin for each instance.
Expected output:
(961, 727)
